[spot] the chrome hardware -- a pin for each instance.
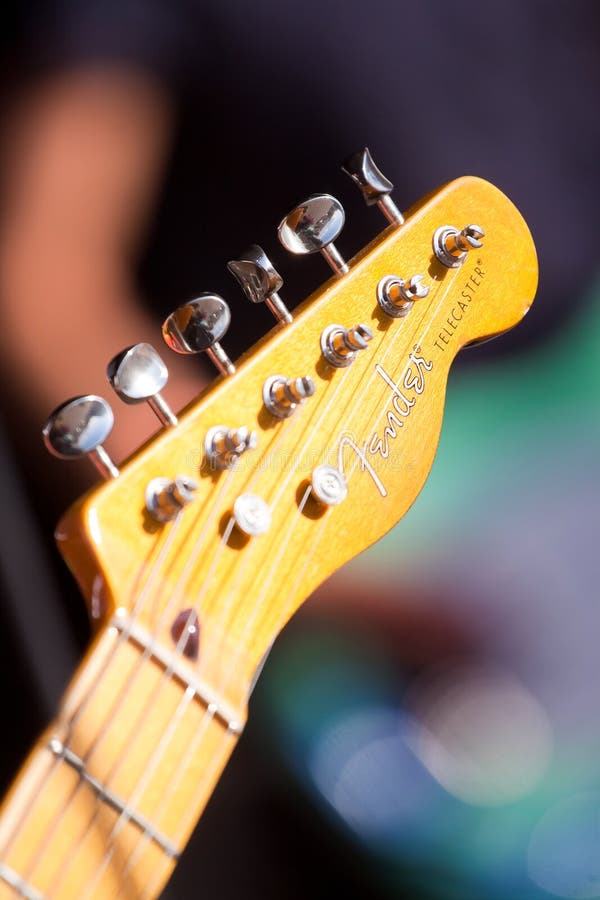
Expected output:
(252, 515)
(260, 281)
(79, 427)
(340, 345)
(328, 485)
(396, 296)
(197, 327)
(187, 622)
(451, 245)
(373, 184)
(138, 373)
(282, 395)
(312, 226)
(224, 446)
(165, 498)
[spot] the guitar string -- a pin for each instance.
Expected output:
(274, 568)
(273, 445)
(166, 539)
(149, 891)
(138, 668)
(169, 537)
(275, 565)
(210, 715)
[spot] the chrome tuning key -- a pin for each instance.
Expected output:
(137, 374)
(260, 281)
(224, 446)
(373, 184)
(197, 327)
(165, 498)
(340, 345)
(282, 396)
(78, 428)
(313, 226)
(451, 245)
(396, 296)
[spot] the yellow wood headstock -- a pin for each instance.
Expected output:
(376, 420)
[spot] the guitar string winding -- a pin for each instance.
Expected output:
(192, 558)
(191, 750)
(274, 567)
(209, 714)
(138, 666)
(167, 539)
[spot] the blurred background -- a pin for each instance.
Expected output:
(429, 724)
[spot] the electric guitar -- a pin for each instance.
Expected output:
(193, 556)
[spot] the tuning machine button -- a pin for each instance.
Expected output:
(396, 296)
(260, 281)
(373, 184)
(138, 373)
(340, 345)
(451, 246)
(312, 226)
(78, 428)
(165, 498)
(282, 395)
(197, 327)
(224, 446)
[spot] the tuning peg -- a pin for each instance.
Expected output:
(79, 427)
(451, 245)
(198, 326)
(260, 281)
(138, 373)
(313, 226)
(373, 184)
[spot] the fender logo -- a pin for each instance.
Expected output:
(403, 400)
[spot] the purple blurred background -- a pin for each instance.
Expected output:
(429, 726)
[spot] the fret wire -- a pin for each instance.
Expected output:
(308, 556)
(139, 664)
(110, 798)
(384, 411)
(353, 401)
(10, 877)
(111, 658)
(208, 579)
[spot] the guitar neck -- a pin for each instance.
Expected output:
(130, 726)
(342, 411)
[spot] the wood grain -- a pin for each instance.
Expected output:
(379, 420)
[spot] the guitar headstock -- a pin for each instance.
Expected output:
(319, 441)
